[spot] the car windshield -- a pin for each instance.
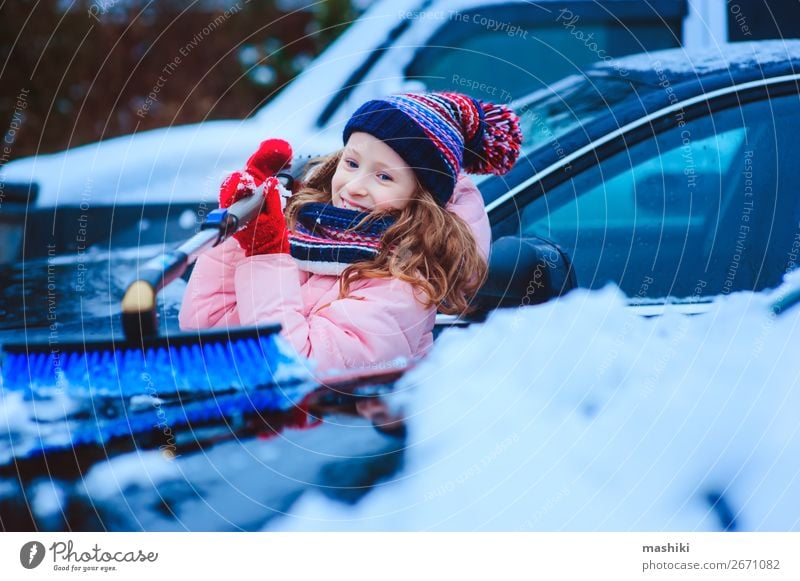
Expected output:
(549, 114)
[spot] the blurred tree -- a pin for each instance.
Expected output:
(90, 70)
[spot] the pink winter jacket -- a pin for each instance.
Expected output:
(380, 320)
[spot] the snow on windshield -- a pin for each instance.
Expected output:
(578, 415)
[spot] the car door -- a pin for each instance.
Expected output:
(695, 201)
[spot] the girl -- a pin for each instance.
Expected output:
(379, 236)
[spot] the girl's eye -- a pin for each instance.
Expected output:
(384, 177)
(350, 163)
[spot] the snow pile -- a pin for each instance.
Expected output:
(580, 416)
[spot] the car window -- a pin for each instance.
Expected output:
(700, 209)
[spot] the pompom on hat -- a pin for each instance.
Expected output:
(439, 134)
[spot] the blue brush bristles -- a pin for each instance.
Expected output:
(106, 390)
(218, 362)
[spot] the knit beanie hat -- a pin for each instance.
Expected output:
(438, 134)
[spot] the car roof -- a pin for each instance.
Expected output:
(629, 88)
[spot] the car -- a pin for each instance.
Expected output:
(675, 181)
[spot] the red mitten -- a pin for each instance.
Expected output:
(266, 234)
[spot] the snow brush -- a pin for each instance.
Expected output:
(142, 362)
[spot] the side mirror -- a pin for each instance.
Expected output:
(525, 271)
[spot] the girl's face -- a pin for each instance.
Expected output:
(371, 176)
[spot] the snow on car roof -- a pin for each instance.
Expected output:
(705, 60)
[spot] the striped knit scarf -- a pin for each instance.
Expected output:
(326, 239)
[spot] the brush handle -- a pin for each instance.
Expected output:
(139, 319)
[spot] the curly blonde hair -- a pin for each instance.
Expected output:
(427, 246)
